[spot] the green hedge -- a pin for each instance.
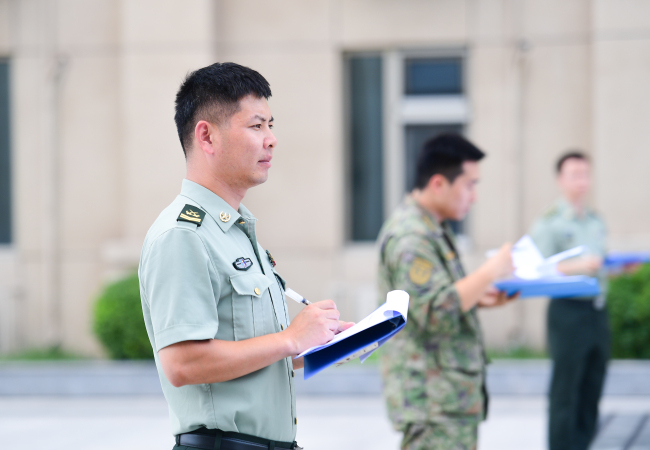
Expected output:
(628, 302)
(119, 323)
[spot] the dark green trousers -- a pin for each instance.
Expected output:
(578, 337)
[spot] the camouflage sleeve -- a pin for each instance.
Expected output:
(416, 268)
(544, 237)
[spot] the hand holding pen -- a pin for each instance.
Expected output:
(320, 320)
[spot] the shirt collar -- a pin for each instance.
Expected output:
(427, 217)
(214, 205)
(568, 211)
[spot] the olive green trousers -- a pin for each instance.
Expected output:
(578, 338)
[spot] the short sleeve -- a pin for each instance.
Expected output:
(179, 280)
(416, 268)
(543, 236)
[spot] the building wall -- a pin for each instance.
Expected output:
(96, 156)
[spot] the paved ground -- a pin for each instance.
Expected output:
(341, 422)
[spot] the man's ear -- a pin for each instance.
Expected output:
(206, 136)
(437, 182)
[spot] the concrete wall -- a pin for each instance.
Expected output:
(96, 156)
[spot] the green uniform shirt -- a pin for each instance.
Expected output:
(206, 277)
(561, 228)
(434, 368)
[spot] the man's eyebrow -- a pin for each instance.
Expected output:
(262, 118)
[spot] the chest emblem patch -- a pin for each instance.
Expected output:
(420, 271)
(242, 263)
(191, 214)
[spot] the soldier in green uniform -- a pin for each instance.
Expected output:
(213, 304)
(434, 370)
(578, 329)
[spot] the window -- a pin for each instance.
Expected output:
(5, 170)
(425, 91)
(365, 141)
(433, 76)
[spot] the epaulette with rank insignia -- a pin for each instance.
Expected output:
(191, 214)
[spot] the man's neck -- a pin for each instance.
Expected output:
(425, 203)
(227, 193)
(579, 205)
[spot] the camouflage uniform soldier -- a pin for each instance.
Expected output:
(434, 370)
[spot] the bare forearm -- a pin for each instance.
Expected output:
(214, 361)
(471, 288)
(580, 266)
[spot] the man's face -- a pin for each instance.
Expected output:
(458, 197)
(574, 179)
(247, 144)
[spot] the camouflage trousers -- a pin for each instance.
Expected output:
(456, 435)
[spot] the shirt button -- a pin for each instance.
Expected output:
(257, 291)
(295, 421)
(282, 326)
(293, 374)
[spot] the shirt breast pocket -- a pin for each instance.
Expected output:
(252, 311)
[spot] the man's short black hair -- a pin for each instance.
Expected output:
(445, 155)
(572, 154)
(213, 94)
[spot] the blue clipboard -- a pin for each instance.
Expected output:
(363, 338)
(616, 260)
(555, 287)
(323, 358)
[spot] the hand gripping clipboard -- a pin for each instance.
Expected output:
(617, 260)
(554, 287)
(363, 338)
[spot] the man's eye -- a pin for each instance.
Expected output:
(271, 126)
(258, 126)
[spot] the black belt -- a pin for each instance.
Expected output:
(228, 440)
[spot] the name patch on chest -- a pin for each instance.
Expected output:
(242, 263)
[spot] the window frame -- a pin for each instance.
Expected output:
(401, 110)
(7, 204)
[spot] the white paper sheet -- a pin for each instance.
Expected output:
(397, 303)
(531, 265)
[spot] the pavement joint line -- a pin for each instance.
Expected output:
(636, 433)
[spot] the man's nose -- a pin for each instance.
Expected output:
(271, 140)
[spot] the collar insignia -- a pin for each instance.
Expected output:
(242, 263)
(191, 214)
(224, 216)
(271, 260)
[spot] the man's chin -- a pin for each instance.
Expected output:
(259, 179)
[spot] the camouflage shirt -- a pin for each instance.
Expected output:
(434, 369)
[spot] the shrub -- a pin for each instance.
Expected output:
(119, 323)
(628, 302)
